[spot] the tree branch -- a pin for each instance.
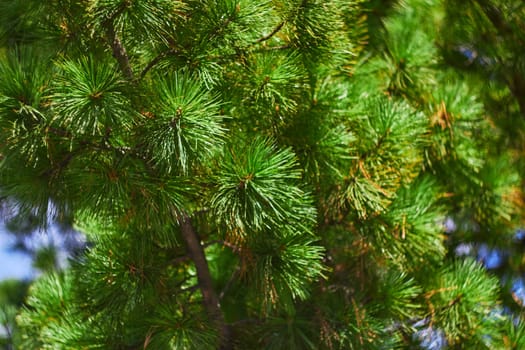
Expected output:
(224, 243)
(210, 299)
(119, 51)
(156, 60)
(179, 259)
(233, 277)
(271, 34)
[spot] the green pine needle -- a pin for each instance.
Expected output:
(257, 188)
(282, 265)
(89, 98)
(461, 297)
(187, 127)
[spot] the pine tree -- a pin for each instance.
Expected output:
(263, 174)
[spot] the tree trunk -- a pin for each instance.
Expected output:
(210, 298)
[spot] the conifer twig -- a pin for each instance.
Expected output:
(234, 275)
(210, 299)
(156, 60)
(271, 34)
(223, 243)
(119, 51)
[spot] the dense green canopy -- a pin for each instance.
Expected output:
(267, 174)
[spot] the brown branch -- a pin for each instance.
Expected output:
(191, 289)
(119, 51)
(233, 277)
(179, 259)
(271, 34)
(233, 247)
(210, 299)
(156, 60)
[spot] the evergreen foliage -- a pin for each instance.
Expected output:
(266, 174)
